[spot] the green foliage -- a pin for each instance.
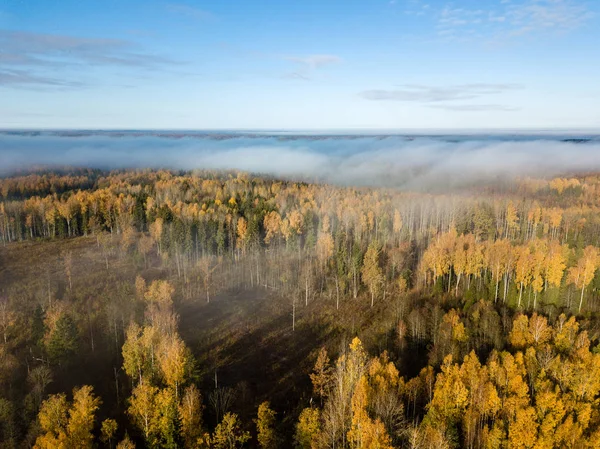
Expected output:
(8, 430)
(166, 420)
(63, 342)
(484, 222)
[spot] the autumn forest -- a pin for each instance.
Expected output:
(212, 309)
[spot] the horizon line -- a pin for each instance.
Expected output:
(588, 130)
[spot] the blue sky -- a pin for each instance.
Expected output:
(273, 64)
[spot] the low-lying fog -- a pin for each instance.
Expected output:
(400, 161)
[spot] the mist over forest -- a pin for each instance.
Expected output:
(317, 224)
(421, 162)
(221, 291)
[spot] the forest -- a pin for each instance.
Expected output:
(215, 309)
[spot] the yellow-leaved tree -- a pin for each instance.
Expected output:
(582, 274)
(65, 424)
(228, 434)
(366, 433)
(265, 426)
(308, 429)
(371, 273)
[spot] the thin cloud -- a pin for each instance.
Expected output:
(495, 21)
(25, 78)
(315, 61)
(37, 43)
(35, 59)
(417, 8)
(142, 33)
(296, 76)
(475, 107)
(49, 48)
(435, 94)
(308, 64)
(539, 15)
(189, 11)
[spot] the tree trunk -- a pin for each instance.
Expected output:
(306, 292)
(337, 293)
(497, 284)
(520, 295)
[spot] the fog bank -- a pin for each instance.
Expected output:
(420, 162)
